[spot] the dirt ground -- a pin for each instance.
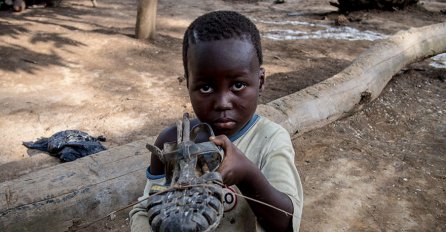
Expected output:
(79, 67)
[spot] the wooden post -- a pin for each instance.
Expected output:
(146, 19)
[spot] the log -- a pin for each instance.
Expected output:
(358, 84)
(146, 19)
(55, 198)
(18, 168)
(354, 5)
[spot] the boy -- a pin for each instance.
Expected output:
(222, 60)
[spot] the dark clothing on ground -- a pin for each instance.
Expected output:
(68, 145)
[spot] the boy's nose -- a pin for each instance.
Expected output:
(223, 102)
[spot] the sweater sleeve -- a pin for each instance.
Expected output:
(139, 220)
(279, 168)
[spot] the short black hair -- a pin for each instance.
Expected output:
(219, 25)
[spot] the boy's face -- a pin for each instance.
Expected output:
(224, 82)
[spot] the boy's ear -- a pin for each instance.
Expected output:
(262, 79)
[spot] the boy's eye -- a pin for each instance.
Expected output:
(206, 89)
(238, 86)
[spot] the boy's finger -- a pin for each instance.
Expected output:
(224, 175)
(219, 140)
(222, 172)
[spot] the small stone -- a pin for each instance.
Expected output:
(341, 20)
(112, 216)
(181, 79)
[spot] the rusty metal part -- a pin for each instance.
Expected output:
(195, 199)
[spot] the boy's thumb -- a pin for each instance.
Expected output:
(217, 141)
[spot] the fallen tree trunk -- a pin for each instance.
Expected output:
(353, 5)
(53, 199)
(358, 84)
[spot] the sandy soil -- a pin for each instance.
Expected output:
(78, 67)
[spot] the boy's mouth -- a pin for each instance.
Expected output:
(224, 123)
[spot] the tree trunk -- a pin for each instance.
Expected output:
(359, 83)
(146, 19)
(53, 199)
(353, 5)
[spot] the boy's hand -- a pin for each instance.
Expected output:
(235, 167)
